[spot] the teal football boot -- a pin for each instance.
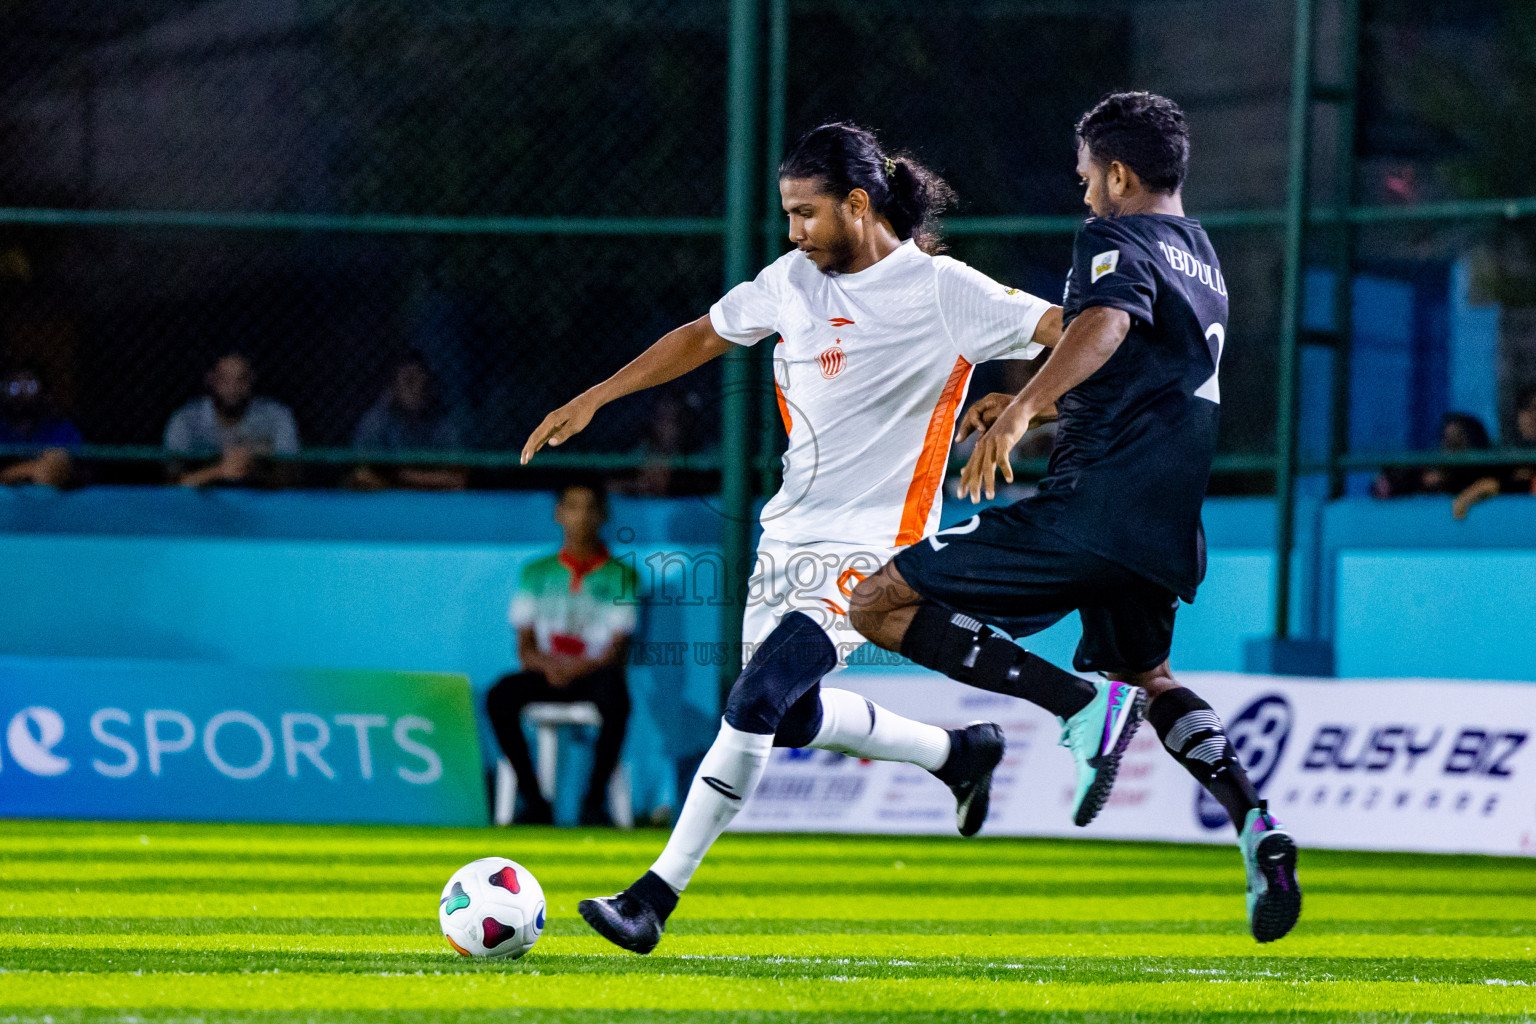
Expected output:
(1097, 736)
(1269, 855)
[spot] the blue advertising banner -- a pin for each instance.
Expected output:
(148, 740)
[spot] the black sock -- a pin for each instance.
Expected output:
(954, 767)
(1193, 734)
(655, 893)
(966, 650)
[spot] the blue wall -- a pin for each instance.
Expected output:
(421, 582)
(1420, 348)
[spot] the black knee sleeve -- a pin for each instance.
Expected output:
(789, 662)
(801, 722)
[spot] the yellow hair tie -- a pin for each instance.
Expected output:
(890, 167)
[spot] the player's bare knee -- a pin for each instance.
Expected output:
(865, 606)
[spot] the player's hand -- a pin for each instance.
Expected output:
(986, 411)
(565, 422)
(1482, 490)
(563, 670)
(237, 464)
(993, 452)
(982, 414)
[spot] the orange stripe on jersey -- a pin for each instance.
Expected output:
(789, 424)
(929, 472)
(783, 405)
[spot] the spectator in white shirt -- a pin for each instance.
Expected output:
(235, 429)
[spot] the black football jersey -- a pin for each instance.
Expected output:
(1135, 440)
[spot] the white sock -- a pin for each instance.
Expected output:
(734, 762)
(855, 725)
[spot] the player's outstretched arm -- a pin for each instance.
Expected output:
(1085, 346)
(677, 352)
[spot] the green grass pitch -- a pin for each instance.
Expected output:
(206, 923)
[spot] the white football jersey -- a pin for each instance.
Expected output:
(871, 371)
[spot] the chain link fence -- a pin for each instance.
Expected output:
(478, 115)
(526, 195)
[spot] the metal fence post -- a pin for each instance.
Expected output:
(1290, 316)
(1344, 240)
(773, 225)
(736, 373)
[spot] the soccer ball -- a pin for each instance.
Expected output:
(492, 907)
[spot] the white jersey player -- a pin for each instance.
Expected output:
(878, 337)
(870, 371)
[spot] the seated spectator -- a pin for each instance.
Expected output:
(1459, 432)
(236, 429)
(574, 612)
(27, 418)
(408, 417)
(1521, 479)
(1514, 479)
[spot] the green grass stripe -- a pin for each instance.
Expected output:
(201, 874)
(71, 1015)
(244, 842)
(65, 1015)
(832, 970)
(419, 924)
(893, 906)
(829, 945)
(314, 992)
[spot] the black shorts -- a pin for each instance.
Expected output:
(1004, 570)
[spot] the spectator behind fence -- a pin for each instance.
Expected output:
(1519, 478)
(1459, 432)
(236, 429)
(27, 417)
(574, 612)
(408, 417)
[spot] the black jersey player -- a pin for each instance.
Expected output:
(1114, 531)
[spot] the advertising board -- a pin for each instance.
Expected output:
(1379, 764)
(89, 738)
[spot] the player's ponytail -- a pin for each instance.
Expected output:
(844, 156)
(917, 198)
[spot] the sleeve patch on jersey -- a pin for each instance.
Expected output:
(1105, 263)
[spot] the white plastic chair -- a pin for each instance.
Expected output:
(548, 718)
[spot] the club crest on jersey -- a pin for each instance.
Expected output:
(832, 360)
(1105, 263)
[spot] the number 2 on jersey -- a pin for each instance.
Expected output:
(966, 527)
(1216, 339)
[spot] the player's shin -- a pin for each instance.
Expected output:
(857, 726)
(635, 918)
(964, 649)
(787, 664)
(727, 776)
(1193, 734)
